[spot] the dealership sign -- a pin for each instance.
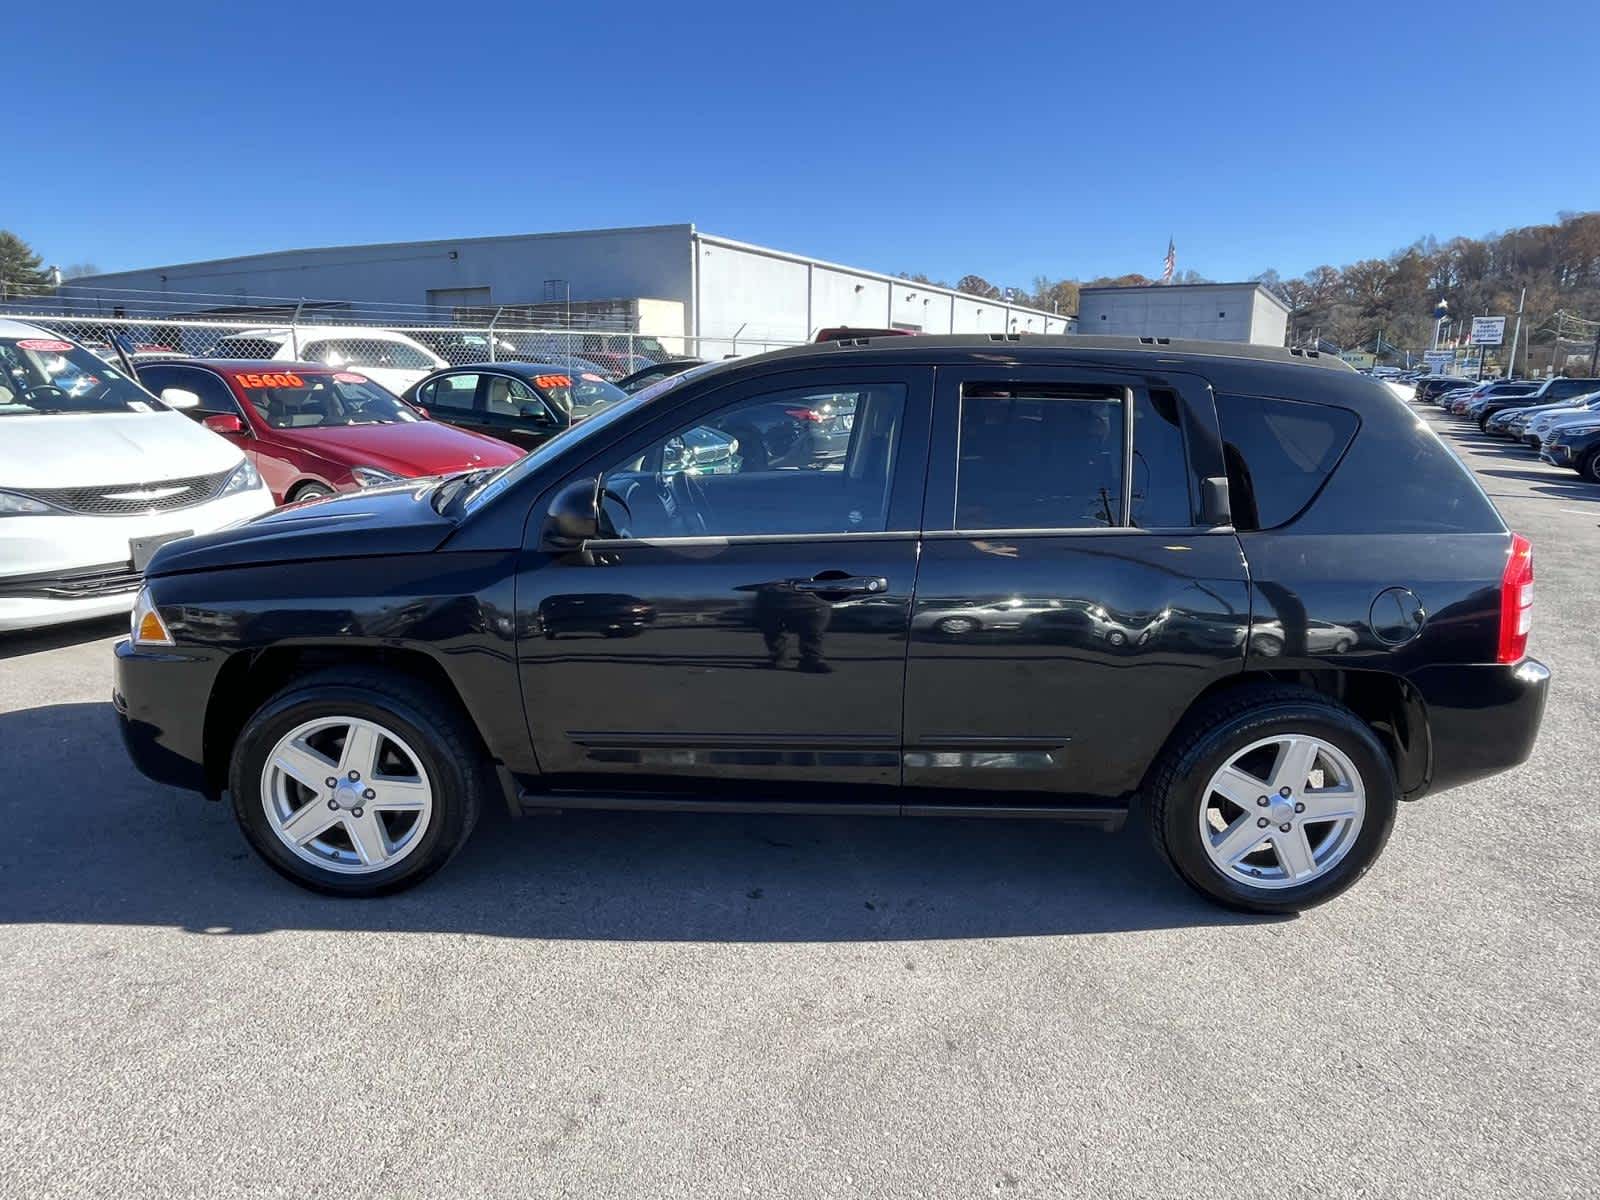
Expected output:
(1488, 331)
(1440, 362)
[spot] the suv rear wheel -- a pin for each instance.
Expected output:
(1591, 467)
(356, 782)
(1272, 800)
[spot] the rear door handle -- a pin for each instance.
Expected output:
(852, 584)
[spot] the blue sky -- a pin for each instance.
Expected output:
(929, 137)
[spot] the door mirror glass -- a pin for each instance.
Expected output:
(179, 398)
(572, 518)
(222, 423)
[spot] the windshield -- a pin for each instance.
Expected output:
(490, 486)
(48, 375)
(304, 400)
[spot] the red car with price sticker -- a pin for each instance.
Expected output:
(312, 431)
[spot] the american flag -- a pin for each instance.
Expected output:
(1171, 263)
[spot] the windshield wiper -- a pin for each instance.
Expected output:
(445, 493)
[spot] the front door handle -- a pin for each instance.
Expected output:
(859, 585)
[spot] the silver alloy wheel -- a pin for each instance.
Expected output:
(347, 795)
(1282, 812)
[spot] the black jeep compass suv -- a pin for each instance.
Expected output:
(1241, 591)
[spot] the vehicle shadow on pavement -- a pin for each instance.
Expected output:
(15, 645)
(92, 842)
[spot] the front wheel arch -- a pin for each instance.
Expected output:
(250, 677)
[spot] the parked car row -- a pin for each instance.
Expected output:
(1558, 418)
(102, 483)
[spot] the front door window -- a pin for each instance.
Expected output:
(798, 461)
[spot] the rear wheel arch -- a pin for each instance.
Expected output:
(1387, 703)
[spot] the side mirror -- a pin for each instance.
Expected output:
(422, 413)
(179, 398)
(572, 518)
(222, 423)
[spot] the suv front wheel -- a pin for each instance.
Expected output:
(356, 782)
(1272, 800)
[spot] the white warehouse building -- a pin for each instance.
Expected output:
(717, 295)
(1220, 312)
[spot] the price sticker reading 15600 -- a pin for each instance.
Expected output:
(271, 379)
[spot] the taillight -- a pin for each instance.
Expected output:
(804, 414)
(1516, 601)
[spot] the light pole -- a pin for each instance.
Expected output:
(1511, 367)
(1441, 314)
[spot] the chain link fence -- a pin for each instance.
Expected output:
(395, 353)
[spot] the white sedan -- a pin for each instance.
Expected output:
(95, 475)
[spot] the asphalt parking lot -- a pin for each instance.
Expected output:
(609, 1005)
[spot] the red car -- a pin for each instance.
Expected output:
(312, 430)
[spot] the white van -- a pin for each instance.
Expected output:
(95, 474)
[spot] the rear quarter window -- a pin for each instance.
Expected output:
(1279, 454)
(1324, 469)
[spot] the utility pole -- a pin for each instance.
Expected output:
(1511, 367)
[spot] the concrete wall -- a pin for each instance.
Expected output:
(599, 264)
(1269, 325)
(1210, 313)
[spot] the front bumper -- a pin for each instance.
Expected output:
(161, 695)
(1556, 456)
(1482, 720)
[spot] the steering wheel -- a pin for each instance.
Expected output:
(690, 496)
(49, 391)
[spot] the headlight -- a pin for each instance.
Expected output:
(372, 476)
(148, 629)
(15, 504)
(245, 478)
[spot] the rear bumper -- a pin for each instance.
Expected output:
(1482, 720)
(160, 697)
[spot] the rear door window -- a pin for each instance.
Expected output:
(1161, 493)
(1039, 456)
(1279, 454)
(214, 395)
(454, 393)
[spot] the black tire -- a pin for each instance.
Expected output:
(434, 728)
(1219, 729)
(1591, 467)
(309, 491)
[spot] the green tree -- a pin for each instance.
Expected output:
(977, 285)
(22, 271)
